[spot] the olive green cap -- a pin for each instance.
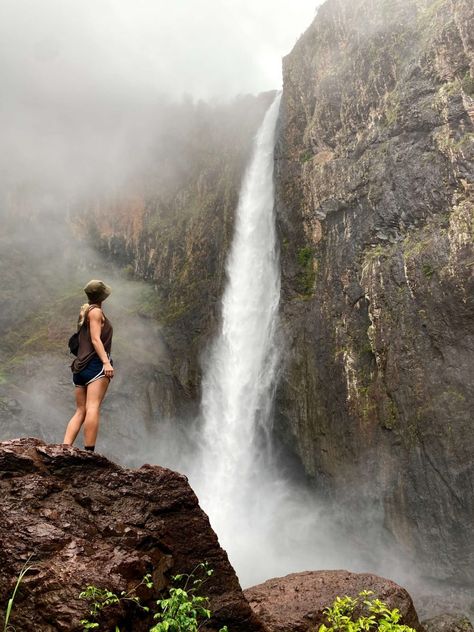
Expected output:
(97, 290)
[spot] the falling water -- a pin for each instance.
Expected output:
(238, 383)
(268, 525)
(239, 380)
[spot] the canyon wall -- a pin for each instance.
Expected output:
(375, 214)
(172, 226)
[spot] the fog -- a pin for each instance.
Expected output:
(83, 84)
(60, 51)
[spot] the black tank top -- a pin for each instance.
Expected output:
(86, 348)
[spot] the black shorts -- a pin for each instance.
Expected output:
(93, 371)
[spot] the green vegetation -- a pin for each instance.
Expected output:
(431, 12)
(307, 277)
(453, 395)
(26, 568)
(32, 332)
(148, 302)
(414, 245)
(392, 109)
(305, 256)
(362, 614)
(391, 415)
(450, 88)
(184, 610)
(468, 84)
(306, 155)
(375, 253)
(428, 270)
(129, 271)
(366, 404)
(101, 598)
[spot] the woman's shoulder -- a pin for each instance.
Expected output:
(95, 313)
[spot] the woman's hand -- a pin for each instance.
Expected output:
(108, 370)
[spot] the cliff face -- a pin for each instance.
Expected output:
(173, 225)
(375, 213)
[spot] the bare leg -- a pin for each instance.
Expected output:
(95, 394)
(77, 419)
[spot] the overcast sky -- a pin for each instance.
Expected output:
(76, 75)
(60, 48)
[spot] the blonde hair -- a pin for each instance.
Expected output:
(82, 315)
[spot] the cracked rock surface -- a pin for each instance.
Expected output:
(86, 521)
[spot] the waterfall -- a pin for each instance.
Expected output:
(268, 525)
(237, 385)
(239, 379)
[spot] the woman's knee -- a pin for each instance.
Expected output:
(92, 409)
(81, 412)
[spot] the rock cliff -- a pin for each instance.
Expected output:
(86, 521)
(375, 214)
(173, 224)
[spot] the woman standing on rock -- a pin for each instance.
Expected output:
(92, 369)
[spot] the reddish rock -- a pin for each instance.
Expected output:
(86, 521)
(295, 603)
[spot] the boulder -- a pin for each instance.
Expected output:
(86, 521)
(296, 603)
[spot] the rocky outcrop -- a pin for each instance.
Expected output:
(84, 520)
(375, 213)
(296, 603)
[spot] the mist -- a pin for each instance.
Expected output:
(100, 100)
(87, 86)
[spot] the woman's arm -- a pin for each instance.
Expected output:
(95, 327)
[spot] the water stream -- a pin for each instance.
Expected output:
(239, 379)
(237, 385)
(256, 514)
(268, 524)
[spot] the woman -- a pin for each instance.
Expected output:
(92, 369)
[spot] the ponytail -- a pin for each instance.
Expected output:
(82, 315)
